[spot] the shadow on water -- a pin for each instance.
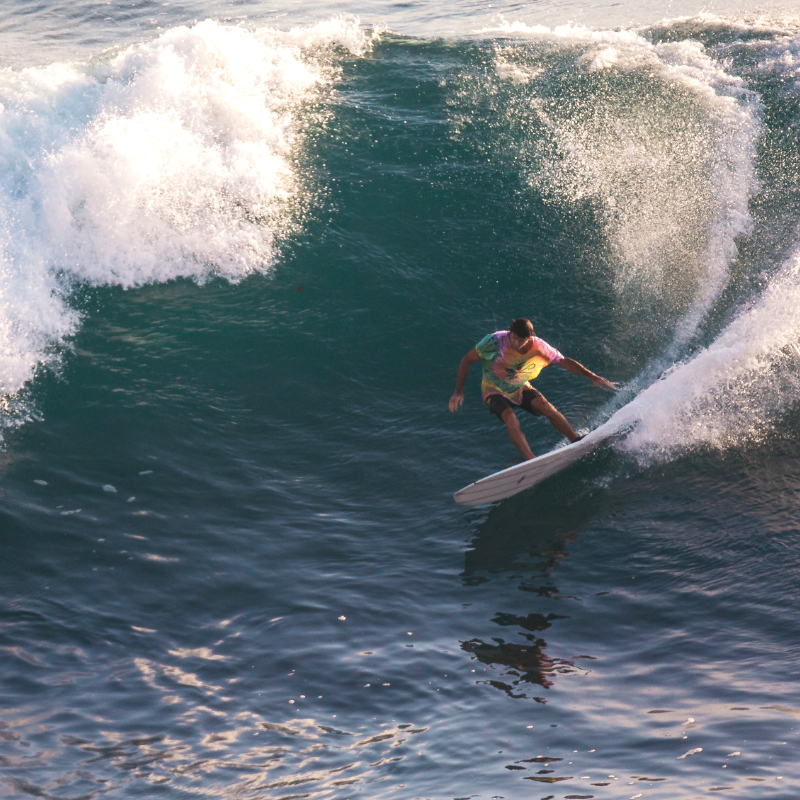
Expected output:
(529, 535)
(533, 527)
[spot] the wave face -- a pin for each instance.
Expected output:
(183, 157)
(175, 158)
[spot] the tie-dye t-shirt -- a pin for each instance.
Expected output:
(507, 372)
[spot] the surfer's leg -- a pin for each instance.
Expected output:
(515, 433)
(542, 407)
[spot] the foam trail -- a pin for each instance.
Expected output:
(731, 392)
(173, 158)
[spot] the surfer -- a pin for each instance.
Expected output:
(511, 359)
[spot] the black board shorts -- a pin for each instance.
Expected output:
(497, 403)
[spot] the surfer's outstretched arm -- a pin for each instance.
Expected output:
(573, 366)
(463, 370)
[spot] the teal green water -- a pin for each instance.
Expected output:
(239, 270)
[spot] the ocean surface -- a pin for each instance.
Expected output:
(243, 248)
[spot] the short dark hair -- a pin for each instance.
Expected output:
(522, 327)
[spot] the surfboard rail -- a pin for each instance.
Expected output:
(512, 480)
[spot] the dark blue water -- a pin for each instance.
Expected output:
(240, 265)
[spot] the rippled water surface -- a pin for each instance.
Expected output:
(243, 249)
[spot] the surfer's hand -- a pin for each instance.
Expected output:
(456, 400)
(602, 383)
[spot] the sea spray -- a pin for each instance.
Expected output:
(735, 391)
(730, 393)
(660, 139)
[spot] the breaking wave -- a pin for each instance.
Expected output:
(173, 158)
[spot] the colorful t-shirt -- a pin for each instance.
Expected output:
(508, 372)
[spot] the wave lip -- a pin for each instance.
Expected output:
(185, 167)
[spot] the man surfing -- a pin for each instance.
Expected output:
(511, 359)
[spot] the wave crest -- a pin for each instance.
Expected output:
(173, 158)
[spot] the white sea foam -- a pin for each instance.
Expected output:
(736, 389)
(772, 23)
(768, 25)
(514, 73)
(173, 158)
(731, 392)
(783, 57)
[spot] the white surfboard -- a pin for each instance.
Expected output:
(522, 476)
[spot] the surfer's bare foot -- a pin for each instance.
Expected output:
(582, 436)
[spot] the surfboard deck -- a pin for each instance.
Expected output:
(512, 480)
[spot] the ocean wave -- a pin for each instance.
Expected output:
(172, 158)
